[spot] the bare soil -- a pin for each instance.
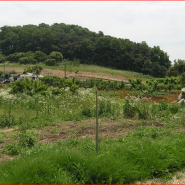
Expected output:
(80, 74)
(107, 129)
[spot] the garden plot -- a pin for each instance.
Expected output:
(134, 134)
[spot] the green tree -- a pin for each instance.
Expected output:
(177, 69)
(158, 70)
(36, 69)
(2, 58)
(40, 56)
(56, 55)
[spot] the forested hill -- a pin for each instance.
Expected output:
(74, 41)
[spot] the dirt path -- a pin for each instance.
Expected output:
(80, 74)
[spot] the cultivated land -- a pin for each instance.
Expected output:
(109, 127)
(79, 75)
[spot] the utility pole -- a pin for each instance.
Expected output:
(4, 72)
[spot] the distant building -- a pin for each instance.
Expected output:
(31, 75)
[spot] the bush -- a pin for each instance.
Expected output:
(56, 91)
(74, 88)
(57, 56)
(27, 139)
(50, 62)
(163, 105)
(23, 60)
(174, 108)
(2, 59)
(128, 110)
(12, 148)
(40, 56)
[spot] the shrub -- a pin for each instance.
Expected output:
(74, 88)
(174, 108)
(163, 105)
(87, 112)
(12, 148)
(57, 56)
(50, 62)
(40, 56)
(23, 60)
(56, 91)
(27, 139)
(2, 137)
(128, 110)
(2, 59)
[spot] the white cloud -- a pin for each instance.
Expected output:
(157, 23)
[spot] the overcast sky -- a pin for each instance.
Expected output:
(158, 23)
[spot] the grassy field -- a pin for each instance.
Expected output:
(52, 137)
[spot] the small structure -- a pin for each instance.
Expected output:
(46, 72)
(31, 75)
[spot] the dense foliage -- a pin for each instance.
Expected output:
(32, 87)
(73, 41)
(177, 69)
(159, 84)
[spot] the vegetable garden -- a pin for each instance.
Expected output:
(152, 147)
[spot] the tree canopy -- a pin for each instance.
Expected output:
(73, 41)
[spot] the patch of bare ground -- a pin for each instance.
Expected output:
(177, 178)
(4, 158)
(80, 74)
(107, 129)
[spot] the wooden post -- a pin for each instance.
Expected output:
(65, 68)
(96, 120)
(4, 70)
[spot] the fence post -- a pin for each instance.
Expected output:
(96, 120)
(65, 68)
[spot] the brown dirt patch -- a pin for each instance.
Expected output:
(153, 99)
(80, 75)
(107, 128)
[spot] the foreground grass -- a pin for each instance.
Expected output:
(146, 153)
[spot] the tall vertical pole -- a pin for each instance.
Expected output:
(65, 68)
(96, 120)
(4, 70)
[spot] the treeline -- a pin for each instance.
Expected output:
(73, 41)
(177, 69)
(31, 57)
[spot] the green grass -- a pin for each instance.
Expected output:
(38, 111)
(134, 93)
(149, 152)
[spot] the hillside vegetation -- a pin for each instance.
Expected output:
(29, 42)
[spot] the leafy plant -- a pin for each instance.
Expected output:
(12, 148)
(163, 105)
(128, 110)
(54, 130)
(2, 137)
